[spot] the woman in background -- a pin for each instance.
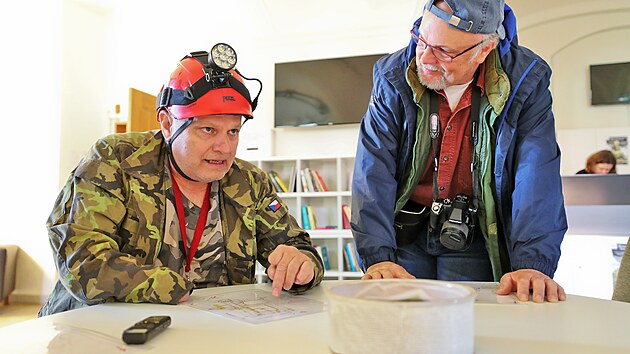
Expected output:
(602, 162)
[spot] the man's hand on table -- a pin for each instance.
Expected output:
(522, 280)
(385, 270)
(288, 266)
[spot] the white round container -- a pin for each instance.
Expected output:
(401, 316)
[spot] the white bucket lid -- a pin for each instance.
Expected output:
(401, 316)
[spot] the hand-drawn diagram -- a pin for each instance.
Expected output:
(256, 306)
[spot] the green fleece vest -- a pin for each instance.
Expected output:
(497, 89)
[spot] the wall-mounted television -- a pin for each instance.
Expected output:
(323, 92)
(610, 84)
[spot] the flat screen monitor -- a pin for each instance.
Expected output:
(323, 92)
(610, 84)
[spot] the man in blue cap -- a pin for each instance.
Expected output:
(457, 168)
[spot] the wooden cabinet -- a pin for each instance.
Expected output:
(141, 115)
(141, 111)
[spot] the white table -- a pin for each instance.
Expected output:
(578, 325)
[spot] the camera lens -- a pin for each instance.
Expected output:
(453, 236)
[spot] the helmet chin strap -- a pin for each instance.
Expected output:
(169, 149)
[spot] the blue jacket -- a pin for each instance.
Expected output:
(526, 187)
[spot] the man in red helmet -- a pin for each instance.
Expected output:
(117, 225)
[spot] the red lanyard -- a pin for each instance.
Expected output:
(201, 222)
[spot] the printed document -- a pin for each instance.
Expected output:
(256, 306)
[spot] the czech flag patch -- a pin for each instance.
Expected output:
(274, 205)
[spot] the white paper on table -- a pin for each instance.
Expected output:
(487, 293)
(62, 338)
(256, 306)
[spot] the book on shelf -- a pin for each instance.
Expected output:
(350, 180)
(328, 227)
(303, 181)
(305, 220)
(348, 251)
(345, 215)
(357, 257)
(309, 180)
(275, 184)
(346, 260)
(311, 217)
(278, 181)
(316, 185)
(292, 185)
(320, 181)
(323, 253)
(318, 248)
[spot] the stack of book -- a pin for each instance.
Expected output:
(312, 181)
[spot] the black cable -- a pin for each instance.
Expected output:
(255, 101)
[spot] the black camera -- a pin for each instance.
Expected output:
(455, 221)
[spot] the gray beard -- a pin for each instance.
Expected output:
(439, 84)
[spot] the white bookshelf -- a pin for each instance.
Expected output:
(327, 206)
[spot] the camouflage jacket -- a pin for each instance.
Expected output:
(107, 226)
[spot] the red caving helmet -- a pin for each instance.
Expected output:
(198, 87)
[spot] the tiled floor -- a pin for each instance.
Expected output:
(15, 313)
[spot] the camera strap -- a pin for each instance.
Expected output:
(434, 133)
(474, 138)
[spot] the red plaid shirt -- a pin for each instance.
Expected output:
(455, 151)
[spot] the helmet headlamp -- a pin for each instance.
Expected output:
(222, 57)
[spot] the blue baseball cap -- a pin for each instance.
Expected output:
(474, 16)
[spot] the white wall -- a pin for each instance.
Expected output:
(31, 113)
(84, 73)
(52, 62)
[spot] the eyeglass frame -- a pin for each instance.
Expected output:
(416, 37)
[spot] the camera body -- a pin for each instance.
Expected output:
(455, 222)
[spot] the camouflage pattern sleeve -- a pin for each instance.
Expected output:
(96, 238)
(277, 226)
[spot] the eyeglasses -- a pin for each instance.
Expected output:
(438, 53)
